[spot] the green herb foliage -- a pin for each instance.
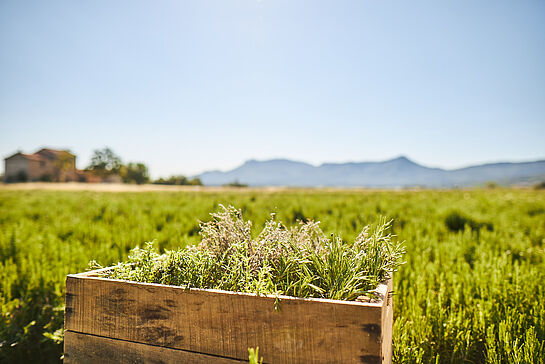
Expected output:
(300, 262)
(468, 293)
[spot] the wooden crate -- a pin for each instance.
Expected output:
(115, 321)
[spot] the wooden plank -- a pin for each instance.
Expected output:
(83, 348)
(387, 324)
(226, 323)
(94, 273)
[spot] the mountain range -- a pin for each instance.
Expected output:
(393, 173)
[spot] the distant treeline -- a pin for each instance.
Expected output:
(106, 164)
(178, 180)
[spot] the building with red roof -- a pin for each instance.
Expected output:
(44, 165)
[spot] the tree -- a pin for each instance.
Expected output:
(179, 181)
(21, 176)
(491, 185)
(135, 173)
(63, 164)
(235, 183)
(105, 162)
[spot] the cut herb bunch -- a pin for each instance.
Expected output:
(300, 261)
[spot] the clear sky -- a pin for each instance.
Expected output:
(188, 86)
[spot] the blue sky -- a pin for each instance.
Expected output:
(188, 86)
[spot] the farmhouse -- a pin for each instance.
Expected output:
(44, 165)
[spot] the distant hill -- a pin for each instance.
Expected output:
(398, 172)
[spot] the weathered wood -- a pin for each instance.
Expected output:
(226, 324)
(387, 324)
(83, 348)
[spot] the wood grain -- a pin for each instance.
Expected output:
(387, 324)
(83, 348)
(226, 324)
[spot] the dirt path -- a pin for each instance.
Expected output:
(119, 187)
(122, 187)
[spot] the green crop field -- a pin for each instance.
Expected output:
(472, 289)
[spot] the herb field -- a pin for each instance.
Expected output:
(472, 288)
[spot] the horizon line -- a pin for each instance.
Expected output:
(402, 156)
